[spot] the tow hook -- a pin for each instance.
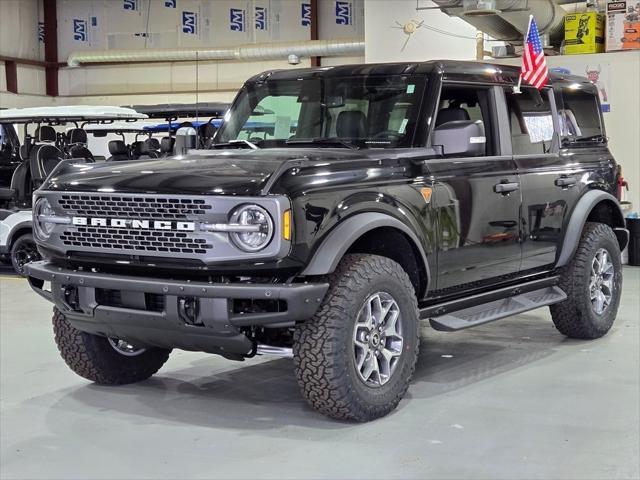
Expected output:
(188, 309)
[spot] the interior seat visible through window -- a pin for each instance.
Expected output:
(468, 104)
(531, 121)
(351, 124)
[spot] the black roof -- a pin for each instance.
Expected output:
(453, 70)
(183, 110)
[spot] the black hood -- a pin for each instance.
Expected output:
(226, 172)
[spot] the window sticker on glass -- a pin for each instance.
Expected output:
(403, 125)
(411, 88)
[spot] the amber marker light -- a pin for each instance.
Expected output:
(286, 225)
(426, 194)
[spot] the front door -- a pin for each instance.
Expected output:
(477, 199)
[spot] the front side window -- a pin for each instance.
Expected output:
(363, 111)
(531, 121)
(468, 104)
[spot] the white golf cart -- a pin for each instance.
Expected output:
(51, 135)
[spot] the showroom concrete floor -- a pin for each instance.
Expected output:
(510, 400)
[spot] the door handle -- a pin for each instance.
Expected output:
(565, 182)
(505, 188)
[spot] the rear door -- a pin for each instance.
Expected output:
(549, 177)
(477, 199)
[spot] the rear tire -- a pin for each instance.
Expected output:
(97, 358)
(24, 251)
(354, 359)
(593, 296)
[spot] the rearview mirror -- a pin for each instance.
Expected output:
(463, 138)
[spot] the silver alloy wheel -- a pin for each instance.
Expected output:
(377, 339)
(601, 281)
(124, 348)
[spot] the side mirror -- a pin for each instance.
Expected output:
(461, 137)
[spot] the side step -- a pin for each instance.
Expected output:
(496, 309)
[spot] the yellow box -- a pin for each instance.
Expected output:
(584, 33)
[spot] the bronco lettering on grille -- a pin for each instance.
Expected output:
(134, 224)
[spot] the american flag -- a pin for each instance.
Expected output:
(534, 67)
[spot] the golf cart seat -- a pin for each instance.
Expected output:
(44, 156)
(20, 189)
(118, 150)
(207, 132)
(77, 144)
(137, 150)
(153, 147)
(166, 146)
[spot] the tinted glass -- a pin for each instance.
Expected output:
(369, 111)
(580, 116)
(531, 121)
(467, 104)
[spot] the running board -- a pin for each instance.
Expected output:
(497, 309)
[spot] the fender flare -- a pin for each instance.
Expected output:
(339, 240)
(579, 217)
(16, 228)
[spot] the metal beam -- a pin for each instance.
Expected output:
(315, 61)
(51, 46)
(11, 72)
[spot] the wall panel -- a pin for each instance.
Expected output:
(19, 29)
(127, 24)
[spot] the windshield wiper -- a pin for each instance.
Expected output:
(236, 143)
(335, 141)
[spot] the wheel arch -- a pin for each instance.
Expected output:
(593, 206)
(355, 235)
(17, 231)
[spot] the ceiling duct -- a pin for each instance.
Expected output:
(479, 8)
(250, 52)
(508, 20)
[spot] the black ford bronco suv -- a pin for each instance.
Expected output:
(337, 208)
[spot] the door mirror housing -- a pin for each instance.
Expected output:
(464, 138)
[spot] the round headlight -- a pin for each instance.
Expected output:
(42, 212)
(259, 228)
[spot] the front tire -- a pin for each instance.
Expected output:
(24, 251)
(102, 360)
(593, 284)
(354, 359)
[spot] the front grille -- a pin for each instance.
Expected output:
(154, 227)
(130, 206)
(139, 207)
(138, 240)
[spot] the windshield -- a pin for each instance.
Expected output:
(365, 111)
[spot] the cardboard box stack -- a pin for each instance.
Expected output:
(584, 33)
(623, 25)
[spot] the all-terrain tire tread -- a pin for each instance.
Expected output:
(571, 317)
(323, 380)
(78, 349)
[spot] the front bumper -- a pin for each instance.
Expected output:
(151, 312)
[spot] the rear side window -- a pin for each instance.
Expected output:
(580, 116)
(531, 121)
